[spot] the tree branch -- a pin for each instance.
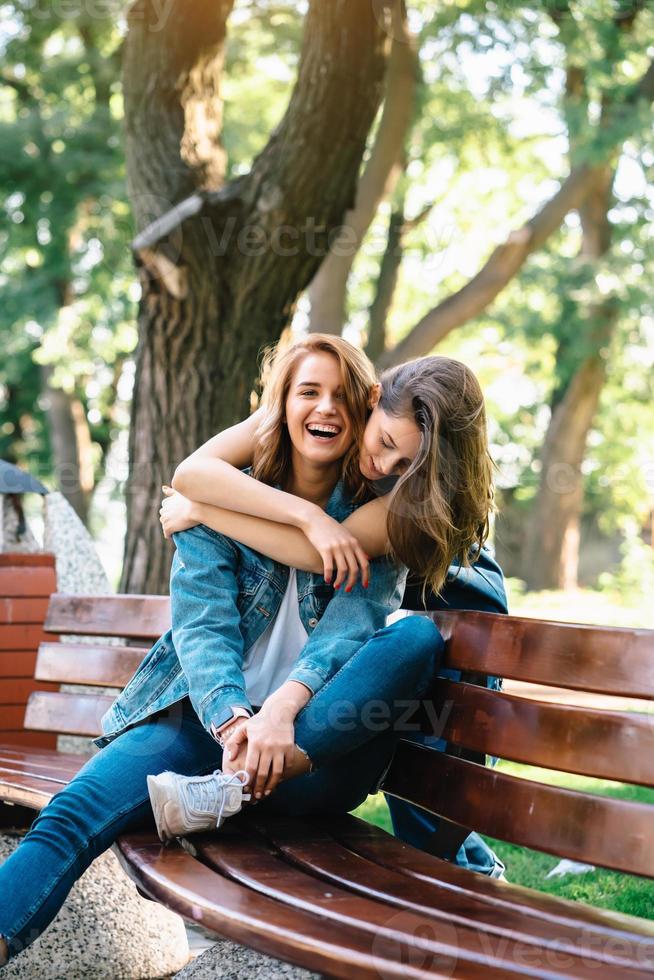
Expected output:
(173, 109)
(327, 292)
(507, 259)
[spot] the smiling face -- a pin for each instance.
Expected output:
(390, 444)
(316, 412)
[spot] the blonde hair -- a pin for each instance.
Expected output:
(440, 507)
(272, 456)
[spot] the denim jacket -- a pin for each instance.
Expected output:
(223, 596)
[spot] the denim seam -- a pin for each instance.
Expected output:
(313, 666)
(224, 687)
(57, 878)
(223, 538)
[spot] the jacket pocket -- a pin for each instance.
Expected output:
(319, 599)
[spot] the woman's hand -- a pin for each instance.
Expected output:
(176, 512)
(234, 751)
(268, 742)
(339, 550)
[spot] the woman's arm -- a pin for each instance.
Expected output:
(280, 542)
(212, 475)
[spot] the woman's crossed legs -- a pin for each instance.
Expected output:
(347, 729)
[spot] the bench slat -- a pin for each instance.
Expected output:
(23, 739)
(172, 876)
(17, 663)
(21, 610)
(16, 690)
(21, 636)
(243, 859)
(580, 826)
(589, 658)
(67, 714)
(590, 742)
(33, 582)
(361, 837)
(27, 790)
(11, 716)
(140, 616)
(312, 848)
(41, 764)
(81, 663)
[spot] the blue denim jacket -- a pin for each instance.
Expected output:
(223, 595)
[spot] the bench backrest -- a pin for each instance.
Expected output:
(535, 812)
(135, 620)
(606, 744)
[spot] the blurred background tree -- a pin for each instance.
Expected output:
(503, 214)
(68, 293)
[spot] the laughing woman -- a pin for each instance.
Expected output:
(247, 633)
(426, 434)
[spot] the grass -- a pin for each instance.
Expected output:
(601, 608)
(603, 889)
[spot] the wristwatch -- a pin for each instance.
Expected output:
(238, 712)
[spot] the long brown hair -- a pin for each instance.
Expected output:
(440, 507)
(272, 456)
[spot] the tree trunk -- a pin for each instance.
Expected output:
(386, 283)
(71, 446)
(398, 227)
(223, 283)
(328, 290)
(552, 544)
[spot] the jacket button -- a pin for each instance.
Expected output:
(313, 622)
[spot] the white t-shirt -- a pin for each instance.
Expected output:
(270, 659)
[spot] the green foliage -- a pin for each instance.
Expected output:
(490, 146)
(260, 67)
(490, 143)
(635, 575)
(65, 266)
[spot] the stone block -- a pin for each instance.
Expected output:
(105, 931)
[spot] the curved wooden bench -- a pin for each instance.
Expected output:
(344, 898)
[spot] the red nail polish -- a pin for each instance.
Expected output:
(349, 588)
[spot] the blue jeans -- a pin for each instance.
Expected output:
(480, 587)
(349, 729)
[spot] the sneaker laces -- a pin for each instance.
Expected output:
(204, 793)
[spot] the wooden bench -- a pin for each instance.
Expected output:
(339, 896)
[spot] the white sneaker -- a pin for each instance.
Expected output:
(188, 804)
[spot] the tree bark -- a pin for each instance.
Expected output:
(224, 282)
(398, 227)
(328, 290)
(552, 544)
(71, 446)
(386, 284)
